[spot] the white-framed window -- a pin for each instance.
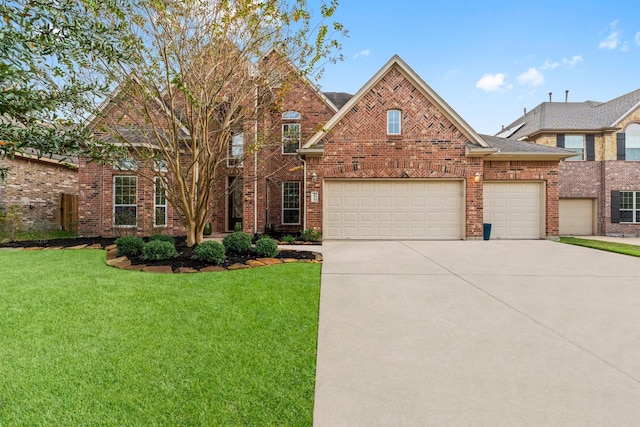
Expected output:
(575, 143)
(126, 164)
(630, 206)
(393, 122)
(159, 202)
(291, 203)
(290, 132)
(125, 198)
(236, 150)
(632, 142)
(160, 165)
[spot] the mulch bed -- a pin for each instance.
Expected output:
(183, 260)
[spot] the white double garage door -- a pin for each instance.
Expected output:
(428, 209)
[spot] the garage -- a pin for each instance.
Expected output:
(577, 217)
(515, 210)
(393, 209)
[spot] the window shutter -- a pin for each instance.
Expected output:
(591, 147)
(560, 140)
(615, 207)
(620, 139)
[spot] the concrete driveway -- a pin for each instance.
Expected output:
(474, 333)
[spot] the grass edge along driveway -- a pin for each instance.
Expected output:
(616, 247)
(83, 343)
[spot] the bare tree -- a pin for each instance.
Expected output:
(207, 73)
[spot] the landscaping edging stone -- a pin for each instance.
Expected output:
(113, 260)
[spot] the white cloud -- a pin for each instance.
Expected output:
(362, 53)
(531, 77)
(637, 39)
(573, 61)
(549, 65)
(612, 41)
(491, 82)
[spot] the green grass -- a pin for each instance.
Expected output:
(619, 248)
(34, 234)
(85, 344)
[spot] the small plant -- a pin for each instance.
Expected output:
(10, 223)
(210, 251)
(158, 250)
(237, 227)
(310, 235)
(129, 245)
(266, 247)
(162, 238)
(237, 243)
(288, 238)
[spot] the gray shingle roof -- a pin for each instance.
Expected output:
(505, 145)
(579, 116)
(338, 98)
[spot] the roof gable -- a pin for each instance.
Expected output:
(397, 63)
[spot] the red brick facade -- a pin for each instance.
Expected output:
(433, 144)
(35, 186)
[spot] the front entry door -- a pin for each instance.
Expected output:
(234, 203)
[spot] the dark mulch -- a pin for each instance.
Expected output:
(184, 258)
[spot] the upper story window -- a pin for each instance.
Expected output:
(632, 142)
(575, 143)
(236, 150)
(290, 132)
(126, 164)
(393, 122)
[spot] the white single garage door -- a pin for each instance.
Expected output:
(400, 209)
(576, 217)
(514, 209)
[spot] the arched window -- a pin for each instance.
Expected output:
(632, 142)
(394, 126)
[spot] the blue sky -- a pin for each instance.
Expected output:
(491, 59)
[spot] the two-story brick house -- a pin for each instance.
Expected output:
(394, 161)
(600, 184)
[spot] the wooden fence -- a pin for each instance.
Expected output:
(67, 218)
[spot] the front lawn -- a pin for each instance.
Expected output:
(620, 248)
(85, 344)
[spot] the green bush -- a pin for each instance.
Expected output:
(210, 251)
(310, 235)
(238, 243)
(129, 245)
(266, 247)
(288, 238)
(158, 250)
(163, 238)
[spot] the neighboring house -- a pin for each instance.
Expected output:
(394, 161)
(36, 185)
(600, 184)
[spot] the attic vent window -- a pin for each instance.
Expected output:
(393, 122)
(291, 115)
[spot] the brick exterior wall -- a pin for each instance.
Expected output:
(96, 203)
(35, 186)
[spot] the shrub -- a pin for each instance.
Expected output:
(210, 251)
(238, 243)
(266, 247)
(162, 238)
(158, 250)
(288, 238)
(129, 245)
(10, 223)
(310, 235)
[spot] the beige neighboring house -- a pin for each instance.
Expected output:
(600, 185)
(37, 185)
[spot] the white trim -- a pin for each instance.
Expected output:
(282, 208)
(166, 203)
(125, 204)
(389, 122)
(299, 137)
